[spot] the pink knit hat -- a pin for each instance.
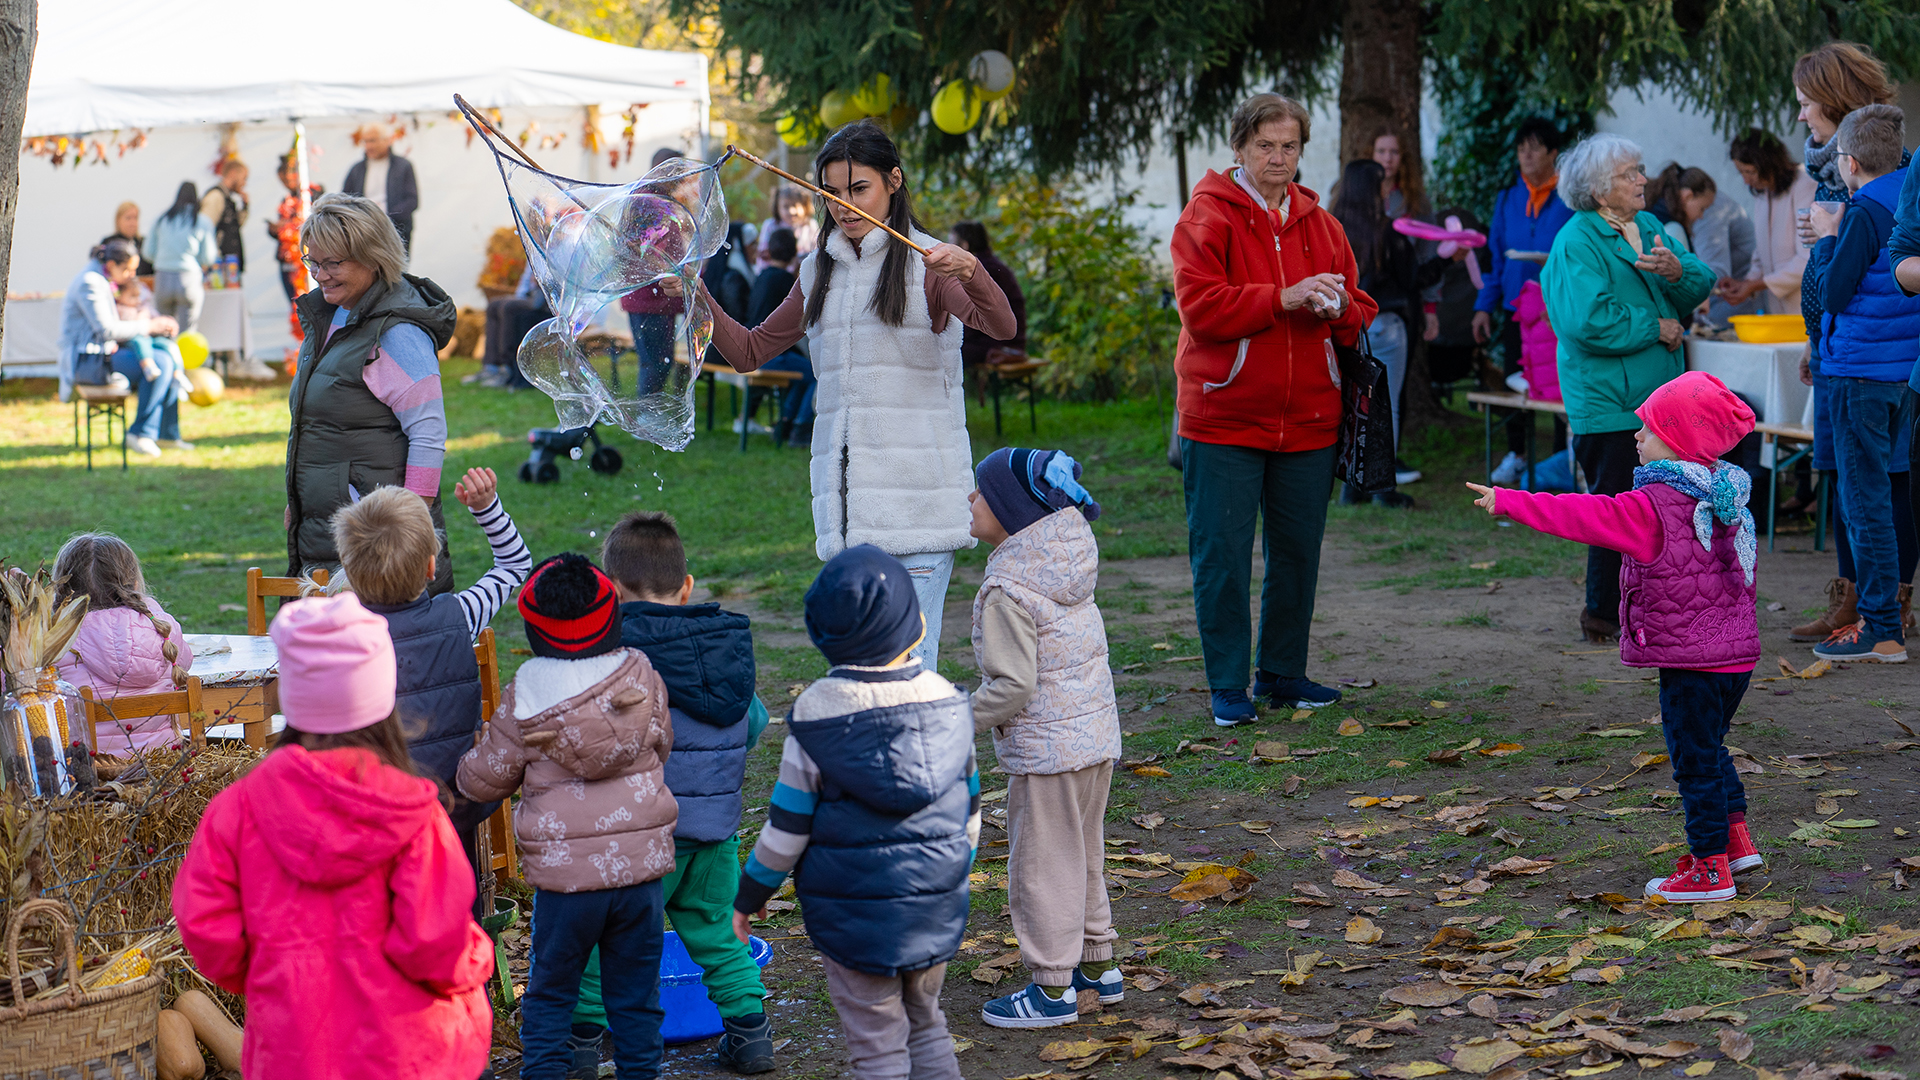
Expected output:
(336, 665)
(1697, 417)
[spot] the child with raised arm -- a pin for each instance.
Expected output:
(388, 550)
(877, 815)
(1686, 604)
(1046, 693)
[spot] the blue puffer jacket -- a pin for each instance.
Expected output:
(705, 656)
(1512, 230)
(437, 692)
(883, 881)
(1875, 334)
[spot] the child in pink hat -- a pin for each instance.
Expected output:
(1686, 604)
(326, 885)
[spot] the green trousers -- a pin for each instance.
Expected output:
(699, 896)
(1228, 488)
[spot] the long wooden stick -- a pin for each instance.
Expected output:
(475, 117)
(785, 175)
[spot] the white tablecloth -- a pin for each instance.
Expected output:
(1768, 376)
(32, 334)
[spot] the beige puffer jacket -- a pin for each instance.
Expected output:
(1071, 723)
(595, 812)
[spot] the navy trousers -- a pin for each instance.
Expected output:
(1696, 708)
(629, 926)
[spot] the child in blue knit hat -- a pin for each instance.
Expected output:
(1046, 693)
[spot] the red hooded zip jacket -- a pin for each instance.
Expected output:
(1250, 373)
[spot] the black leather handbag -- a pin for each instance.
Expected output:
(1365, 450)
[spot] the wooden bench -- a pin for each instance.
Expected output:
(106, 401)
(1487, 402)
(1772, 435)
(1016, 372)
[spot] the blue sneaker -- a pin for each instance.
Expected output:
(1853, 643)
(1293, 693)
(1032, 1008)
(1111, 986)
(1231, 707)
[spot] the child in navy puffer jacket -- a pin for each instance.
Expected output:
(1686, 604)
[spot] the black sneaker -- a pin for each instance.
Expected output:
(746, 1046)
(1293, 693)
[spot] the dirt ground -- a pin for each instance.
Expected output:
(1443, 873)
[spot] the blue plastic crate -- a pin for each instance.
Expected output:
(690, 1015)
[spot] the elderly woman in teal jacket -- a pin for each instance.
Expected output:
(1618, 299)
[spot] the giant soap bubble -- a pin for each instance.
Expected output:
(590, 244)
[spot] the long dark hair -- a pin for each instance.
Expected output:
(1361, 211)
(185, 205)
(1764, 151)
(863, 143)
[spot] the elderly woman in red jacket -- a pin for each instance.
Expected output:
(1265, 281)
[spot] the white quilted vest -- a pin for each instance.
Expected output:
(892, 464)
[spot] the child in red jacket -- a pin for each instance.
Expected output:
(327, 886)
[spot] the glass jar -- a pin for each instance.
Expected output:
(37, 723)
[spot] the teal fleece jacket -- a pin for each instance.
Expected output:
(1607, 316)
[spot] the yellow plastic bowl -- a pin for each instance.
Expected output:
(1769, 329)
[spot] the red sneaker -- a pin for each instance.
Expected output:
(1694, 881)
(1742, 856)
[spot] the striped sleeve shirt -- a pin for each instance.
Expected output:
(405, 377)
(511, 564)
(790, 825)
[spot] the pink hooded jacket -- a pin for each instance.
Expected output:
(1539, 347)
(117, 652)
(329, 888)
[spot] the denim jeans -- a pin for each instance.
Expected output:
(1227, 489)
(1696, 708)
(1387, 337)
(931, 572)
(1869, 418)
(628, 924)
(156, 415)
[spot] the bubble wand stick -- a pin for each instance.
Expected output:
(785, 175)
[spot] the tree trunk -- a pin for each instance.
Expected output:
(19, 31)
(1380, 92)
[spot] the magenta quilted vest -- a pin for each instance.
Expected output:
(1690, 607)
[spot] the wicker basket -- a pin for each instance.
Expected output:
(105, 1033)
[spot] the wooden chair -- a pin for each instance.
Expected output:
(185, 701)
(260, 586)
(106, 401)
(506, 861)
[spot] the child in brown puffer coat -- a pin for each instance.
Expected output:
(584, 730)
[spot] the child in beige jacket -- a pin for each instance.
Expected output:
(1046, 693)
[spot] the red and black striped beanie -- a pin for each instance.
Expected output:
(570, 609)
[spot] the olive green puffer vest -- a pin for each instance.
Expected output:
(341, 434)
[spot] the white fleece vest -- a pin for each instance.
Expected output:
(892, 464)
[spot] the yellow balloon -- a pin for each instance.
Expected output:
(207, 386)
(795, 130)
(193, 349)
(837, 109)
(875, 96)
(956, 108)
(992, 72)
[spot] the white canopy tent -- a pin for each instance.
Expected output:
(204, 70)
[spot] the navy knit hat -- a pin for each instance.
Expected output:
(570, 609)
(1023, 486)
(862, 609)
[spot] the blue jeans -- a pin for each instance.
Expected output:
(629, 926)
(1869, 418)
(157, 413)
(931, 571)
(653, 343)
(1696, 708)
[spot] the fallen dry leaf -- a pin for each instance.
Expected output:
(1361, 931)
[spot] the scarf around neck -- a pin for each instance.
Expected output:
(1538, 197)
(1823, 164)
(1722, 492)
